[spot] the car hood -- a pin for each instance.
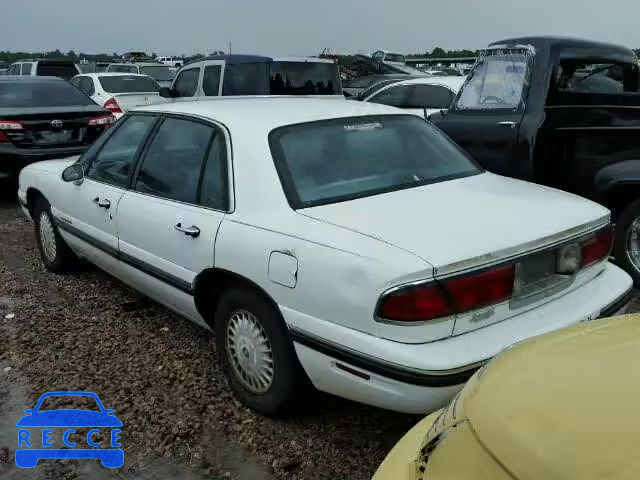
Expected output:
(467, 222)
(69, 418)
(564, 405)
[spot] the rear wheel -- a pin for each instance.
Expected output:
(256, 353)
(55, 253)
(627, 240)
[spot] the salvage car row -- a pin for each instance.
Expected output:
(352, 246)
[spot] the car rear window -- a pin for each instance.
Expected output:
(54, 69)
(304, 78)
(126, 84)
(41, 94)
(161, 73)
(342, 159)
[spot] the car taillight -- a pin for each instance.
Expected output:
(448, 297)
(481, 289)
(102, 120)
(9, 125)
(415, 304)
(597, 247)
(112, 106)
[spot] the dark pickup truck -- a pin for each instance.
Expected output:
(561, 112)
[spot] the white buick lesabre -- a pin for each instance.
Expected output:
(343, 244)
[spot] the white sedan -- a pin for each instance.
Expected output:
(119, 92)
(420, 96)
(340, 244)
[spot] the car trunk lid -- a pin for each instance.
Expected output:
(466, 223)
(53, 127)
(128, 101)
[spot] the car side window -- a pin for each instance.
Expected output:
(211, 80)
(430, 96)
(26, 68)
(75, 82)
(115, 161)
(214, 192)
(187, 83)
(172, 165)
(86, 86)
(395, 96)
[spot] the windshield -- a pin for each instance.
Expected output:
(125, 84)
(160, 73)
(497, 80)
(41, 94)
(342, 159)
(394, 57)
(62, 402)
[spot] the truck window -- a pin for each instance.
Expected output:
(497, 81)
(580, 76)
(211, 80)
(246, 79)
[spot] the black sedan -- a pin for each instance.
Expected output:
(43, 118)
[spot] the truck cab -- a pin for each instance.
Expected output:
(236, 75)
(561, 112)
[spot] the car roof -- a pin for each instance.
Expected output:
(241, 58)
(111, 74)
(541, 42)
(269, 112)
(29, 78)
(454, 83)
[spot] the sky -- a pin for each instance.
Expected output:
(298, 27)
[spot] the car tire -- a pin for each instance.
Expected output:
(256, 353)
(623, 233)
(55, 253)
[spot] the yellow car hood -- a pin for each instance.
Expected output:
(564, 405)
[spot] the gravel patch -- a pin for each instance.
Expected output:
(87, 331)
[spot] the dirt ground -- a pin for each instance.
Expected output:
(86, 331)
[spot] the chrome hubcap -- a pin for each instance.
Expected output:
(47, 237)
(633, 244)
(250, 351)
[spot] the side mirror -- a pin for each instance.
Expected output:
(444, 112)
(166, 92)
(109, 411)
(73, 173)
(29, 410)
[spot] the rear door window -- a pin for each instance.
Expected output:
(86, 86)
(56, 69)
(395, 96)
(172, 165)
(430, 96)
(114, 162)
(26, 68)
(211, 80)
(186, 83)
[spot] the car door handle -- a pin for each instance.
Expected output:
(104, 203)
(508, 123)
(191, 231)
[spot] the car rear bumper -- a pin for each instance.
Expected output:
(418, 378)
(13, 159)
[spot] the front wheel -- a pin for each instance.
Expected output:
(627, 240)
(55, 253)
(256, 353)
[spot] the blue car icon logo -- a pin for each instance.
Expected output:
(33, 447)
